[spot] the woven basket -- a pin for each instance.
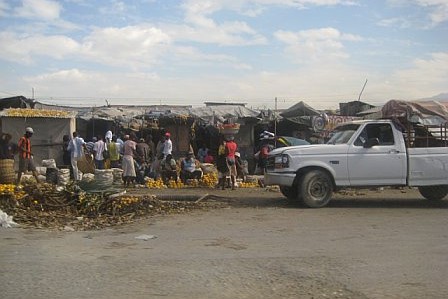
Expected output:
(7, 174)
(229, 129)
(86, 165)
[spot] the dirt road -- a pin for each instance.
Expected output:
(256, 246)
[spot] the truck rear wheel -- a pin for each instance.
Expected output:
(291, 193)
(433, 192)
(316, 189)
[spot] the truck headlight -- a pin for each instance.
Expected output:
(281, 161)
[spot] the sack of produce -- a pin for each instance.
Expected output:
(104, 178)
(49, 163)
(63, 176)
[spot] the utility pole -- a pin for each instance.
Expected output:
(365, 83)
(275, 123)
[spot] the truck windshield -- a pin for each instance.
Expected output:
(342, 134)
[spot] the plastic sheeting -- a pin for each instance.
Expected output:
(423, 112)
(220, 113)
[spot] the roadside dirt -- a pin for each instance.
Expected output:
(365, 244)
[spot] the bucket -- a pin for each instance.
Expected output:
(7, 174)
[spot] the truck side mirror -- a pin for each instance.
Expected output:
(371, 142)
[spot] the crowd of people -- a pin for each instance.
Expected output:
(141, 157)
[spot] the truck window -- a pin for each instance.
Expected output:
(383, 132)
(342, 134)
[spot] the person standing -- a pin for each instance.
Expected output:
(152, 148)
(26, 162)
(143, 151)
(106, 152)
(65, 151)
(98, 149)
(167, 145)
(221, 164)
(76, 147)
(159, 147)
(231, 148)
(108, 136)
(114, 150)
(265, 148)
(121, 143)
(7, 148)
(90, 145)
(127, 164)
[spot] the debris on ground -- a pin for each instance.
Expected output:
(70, 208)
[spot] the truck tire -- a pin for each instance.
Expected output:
(316, 189)
(291, 193)
(433, 192)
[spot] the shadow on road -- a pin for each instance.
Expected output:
(388, 203)
(279, 202)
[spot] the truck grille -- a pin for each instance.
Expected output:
(270, 163)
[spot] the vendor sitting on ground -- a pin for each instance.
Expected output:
(168, 169)
(190, 168)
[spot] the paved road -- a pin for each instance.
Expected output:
(361, 246)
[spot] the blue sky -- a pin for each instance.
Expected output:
(83, 52)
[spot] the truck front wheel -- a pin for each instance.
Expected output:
(433, 192)
(316, 189)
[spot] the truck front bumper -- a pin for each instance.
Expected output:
(279, 178)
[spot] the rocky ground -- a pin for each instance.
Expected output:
(247, 243)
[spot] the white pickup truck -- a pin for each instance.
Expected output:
(368, 153)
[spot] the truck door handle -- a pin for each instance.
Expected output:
(394, 151)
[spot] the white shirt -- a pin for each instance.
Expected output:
(75, 147)
(98, 148)
(167, 147)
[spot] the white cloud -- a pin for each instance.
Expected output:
(395, 22)
(316, 44)
(426, 74)
(226, 34)
(437, 9)
(200, 27)
(39, 9)
(22, 48)
(115, 7)
(319, 84)
(134, 46)
(203, 28)
(252, 7)
(186, 55)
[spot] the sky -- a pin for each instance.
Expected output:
(266, 53)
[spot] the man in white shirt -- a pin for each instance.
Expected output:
(98, 149)
(75, 147)
(167, 145)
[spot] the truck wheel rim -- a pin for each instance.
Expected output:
(319, 189)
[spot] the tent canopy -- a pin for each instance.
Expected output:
(222, 112)
(423, 112)
(299, 109)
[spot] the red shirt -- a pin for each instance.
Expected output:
(25, 143)
(231, 148)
